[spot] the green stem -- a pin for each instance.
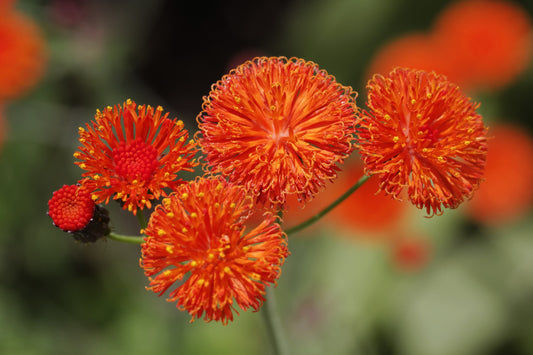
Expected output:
(126, 238)
(335, 203)
(273, 324)
(142, 219)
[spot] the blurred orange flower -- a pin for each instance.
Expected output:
(365, 210)
(423, 134)
(279, 127)
(488, 42)
(199, 231)
(22, 54)
(410, 253)
(507, 191)
(413, 50)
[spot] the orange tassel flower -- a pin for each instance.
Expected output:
(132, 153)
(200, 230)
(279, 127)
(422, 134)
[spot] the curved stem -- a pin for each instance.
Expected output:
(273, 324)
(334, 204)
(126, 238)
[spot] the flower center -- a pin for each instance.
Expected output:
(136, 160)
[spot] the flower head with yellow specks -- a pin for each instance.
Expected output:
(279, 127)
(423, 134)
(132, 153)
(199, 231)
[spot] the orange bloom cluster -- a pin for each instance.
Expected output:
(71, 208)
(132, 153)
(479, 44)
(22, 53)
(199, 230)
(423, 134)
(279, 127)
(507, 192)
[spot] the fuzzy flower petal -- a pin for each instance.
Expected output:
(199, 232)
(421, 133)
(279, 127)
(132, 153)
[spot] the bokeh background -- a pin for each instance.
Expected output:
(374, 277)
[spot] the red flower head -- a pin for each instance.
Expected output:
(131, 153)
(279, 127)
(71, 208)
(507, 192)
(422, 133)
(199, 230)
(22, 53)
(488, 42)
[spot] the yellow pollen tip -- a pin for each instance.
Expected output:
(211, 256)
(232, 205)
(191, 141)
(395, 139)
(94, 197)
(77, 155)
(227, 269)
(128, 102)
(200, 282)
(387, 117)
(467, 142)
(135, 182)
(159, 108)
(130, 207)
(245, 249)
(182, 139)
(166, 202)
(237, 99)
(184, 230)
(167, 272)
(170, 214)
(413, 101)
(142, 231)
(441, 159)
(109, 108)
(83, 165)
(200, 195)
(429, 95)
(255, 276)
(424, 150)
(184, 196)
(194, 215)
(194, 263)
(170, 249)
(219, 187)
(161, 232)
(217, 205)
